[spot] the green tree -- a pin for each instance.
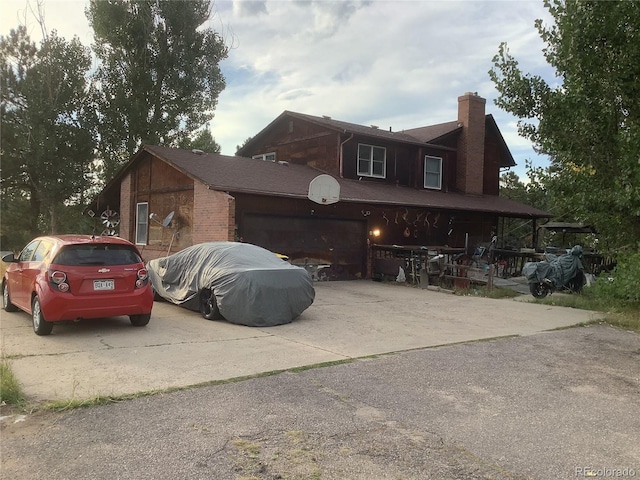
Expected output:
(239, 147)
(588, 119)
(202, 140)
(158, 76)
(517, 232)
(47, 142)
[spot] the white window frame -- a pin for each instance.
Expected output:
(267, 157)
(369, 172)
(433, 172)
(142, 223)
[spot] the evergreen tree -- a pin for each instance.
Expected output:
(47, 141)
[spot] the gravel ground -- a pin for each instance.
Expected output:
(561, 404)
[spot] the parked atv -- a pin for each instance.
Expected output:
(556, 273)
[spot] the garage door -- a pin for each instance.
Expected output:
(332, 249)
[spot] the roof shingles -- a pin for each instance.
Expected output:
(246, 175)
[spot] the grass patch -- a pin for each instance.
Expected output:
(625, 316)
(10, 391)
(616, 313)
(482, 291)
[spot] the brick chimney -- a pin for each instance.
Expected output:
(470, 168)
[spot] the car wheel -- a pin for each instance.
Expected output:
(539, 290)
(208, 305)
(140, 320)
(6, 299)
(40, 325)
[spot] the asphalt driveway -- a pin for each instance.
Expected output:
(179, 348)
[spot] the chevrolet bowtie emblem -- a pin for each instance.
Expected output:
(104, 270)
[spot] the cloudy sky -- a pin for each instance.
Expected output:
(392, 63)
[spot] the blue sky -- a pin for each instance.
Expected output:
(399, 64)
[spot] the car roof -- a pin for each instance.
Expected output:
(77, 239)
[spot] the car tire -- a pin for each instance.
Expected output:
(140, 320)
(539, 290)
(208, 305)
(6, 299)
(40, 325)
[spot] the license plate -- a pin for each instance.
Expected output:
(103, 285)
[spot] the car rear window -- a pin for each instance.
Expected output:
(98, 254)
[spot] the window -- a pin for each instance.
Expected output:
(142, 223)
(27, 252)
(267, 157)
(432, 172)
(372, 161)
(97, 254)
(41, 252)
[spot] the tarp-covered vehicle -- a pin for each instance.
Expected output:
(558, 272)
(240, 282)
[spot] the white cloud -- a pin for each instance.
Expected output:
(399, 64)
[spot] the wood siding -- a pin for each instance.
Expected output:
(166, 190)
(302, 143)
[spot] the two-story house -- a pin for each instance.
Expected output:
(433, 186)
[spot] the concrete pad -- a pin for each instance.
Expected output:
(179, 348)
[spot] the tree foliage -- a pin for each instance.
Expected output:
(588, 122)
(47, 141)
(202, 140)
(518, 232)
(158, 78)
(239, 147)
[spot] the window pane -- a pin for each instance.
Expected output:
(142, 218)
(41, 252)
(432, 180)
(107, 254)
(432, 172)
(378, 154)
(363, 167)
(433, 164)
(27, 252)
(364, 151)
(378, 168)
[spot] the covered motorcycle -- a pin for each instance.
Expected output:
(564, 271)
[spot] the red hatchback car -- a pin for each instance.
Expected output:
(72, 277)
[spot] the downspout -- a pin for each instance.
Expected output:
(340, 153)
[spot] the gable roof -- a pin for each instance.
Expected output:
(340, 127)
(434, 133)
(423, 136)
(252, 176)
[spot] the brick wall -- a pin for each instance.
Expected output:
(214, 216)
(470, 168)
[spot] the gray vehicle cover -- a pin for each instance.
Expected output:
(559, 270)
(252, 285)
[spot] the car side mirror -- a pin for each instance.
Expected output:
(8, 258)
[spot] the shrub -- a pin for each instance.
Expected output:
(621, 285)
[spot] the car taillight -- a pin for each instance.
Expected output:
(58, 281)
(142, 279)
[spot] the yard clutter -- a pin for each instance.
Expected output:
(240, 282)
